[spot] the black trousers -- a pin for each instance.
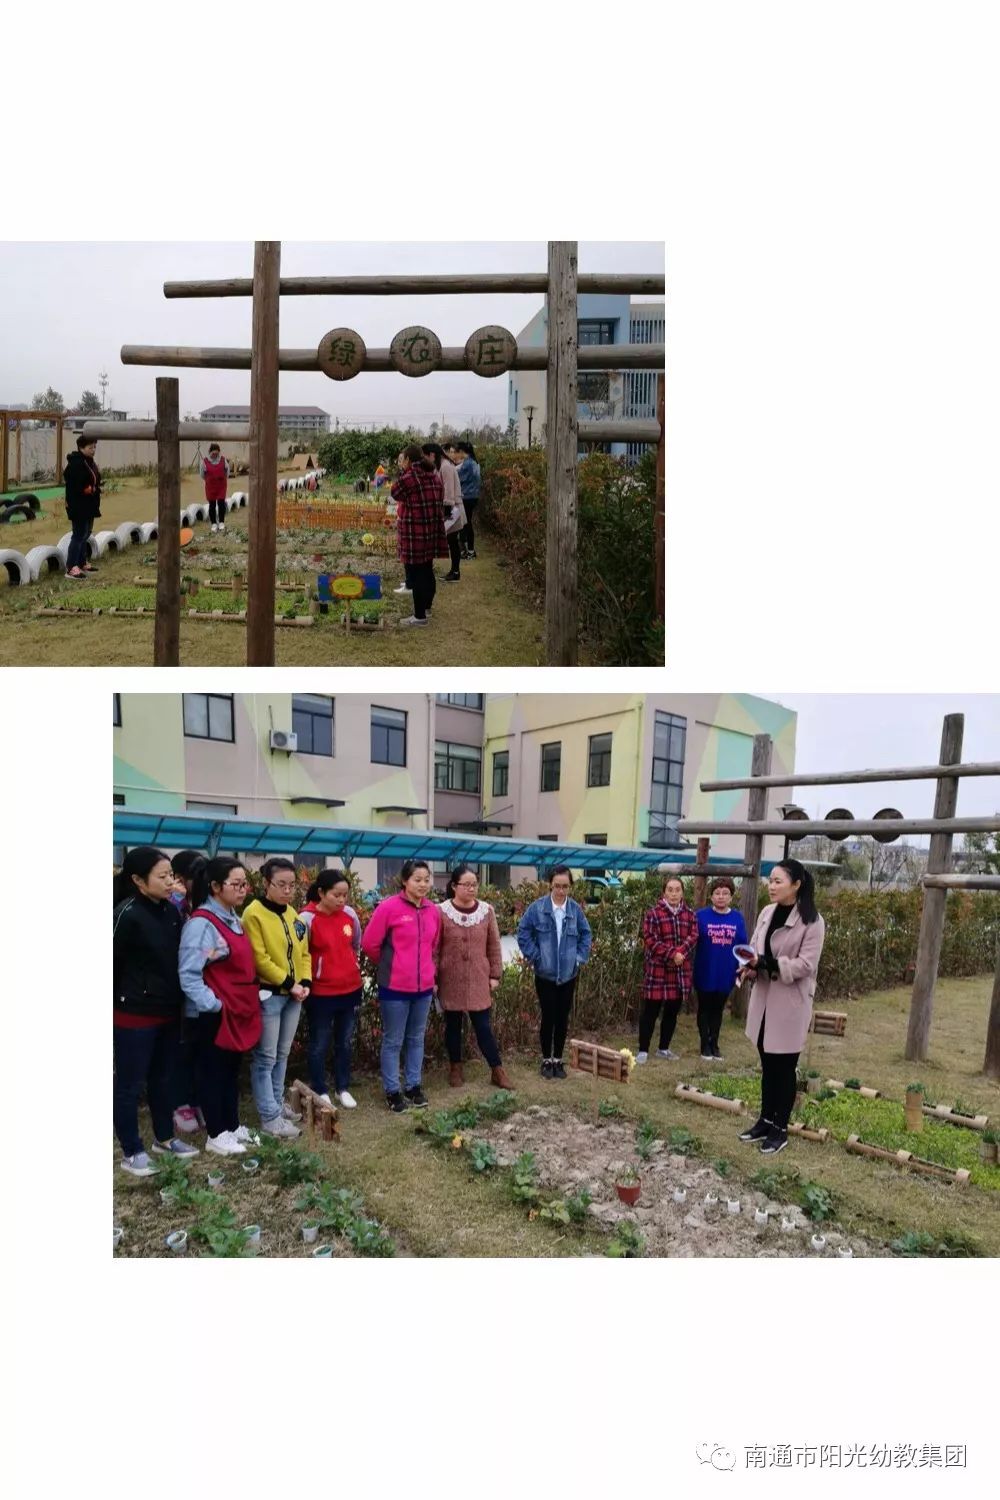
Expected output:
(481, 1025)
(468, 534)
(556, 1001)
(424, 588)
(455, 551)
(216, 511)
(668, 1011)
(777, 1084)
(217, 1076)
(711, 1004)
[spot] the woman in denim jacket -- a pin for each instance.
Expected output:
(554, 937)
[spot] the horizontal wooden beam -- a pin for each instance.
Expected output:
(847, 826)
(737, 872)
(621, 430)
(633, 283)
(963, 882)
(377, 362)
(855, 778)
(233, 432)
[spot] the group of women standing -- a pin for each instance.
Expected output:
(687, 951)
(436, 496)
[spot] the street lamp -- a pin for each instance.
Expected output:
(529, 412)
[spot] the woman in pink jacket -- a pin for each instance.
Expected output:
(402, 941)
(787, 944)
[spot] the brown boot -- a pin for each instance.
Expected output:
(499, 1079)
(456, 1076)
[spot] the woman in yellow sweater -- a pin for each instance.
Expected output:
(280, 943)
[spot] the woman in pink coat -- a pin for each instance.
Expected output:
(402, 940)
(787, 944)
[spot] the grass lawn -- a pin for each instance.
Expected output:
(481, 621)
(432, 1203)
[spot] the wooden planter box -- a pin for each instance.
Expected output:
(317, 1115)
(600, 1062)
(705, 1096)
(828, 1022)
(908, 1161)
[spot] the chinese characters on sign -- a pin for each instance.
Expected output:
(490, 351)
(855, 1456)
(415, 351)
(341, 353)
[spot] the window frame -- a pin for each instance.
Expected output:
(311, 713)
(222, 739)
(556, 760)
(388, 730)
(601, 754)
(503, 766)
(472, 756)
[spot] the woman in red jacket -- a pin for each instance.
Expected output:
(419, 496)
(669, 938)
(332, 1003)
(215, 472)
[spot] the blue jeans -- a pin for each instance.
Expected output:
(76, 552)
(336, 1015)
(269, 1059)
(404, 1021)
(145, 1057)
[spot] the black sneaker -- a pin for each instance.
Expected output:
(558, 1071)
(547, 1069)
(776, 1141)
(758, 1132)
(470, 556)
(396, 1103)
(416, 1098)
(452, 577)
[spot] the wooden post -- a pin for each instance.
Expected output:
(659, 530)
(263, 454)
(167, 627)
(17, 435)
(760, 765)
(561, 605)
(932, 917)
(59, 450)
(991, 1067)
(700, 881)
(4, 450)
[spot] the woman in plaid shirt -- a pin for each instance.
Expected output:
(419, 497)
(669, 938)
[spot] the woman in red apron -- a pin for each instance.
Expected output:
(222, 997)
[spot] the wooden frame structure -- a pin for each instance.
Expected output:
(937, 882)
(6, 417)
(599, 1062)
(561, 284)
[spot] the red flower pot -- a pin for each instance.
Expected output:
(628, 1192)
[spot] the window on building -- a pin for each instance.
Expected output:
(667, 789)
(593, 385)
(551, 766)
(388, 873)
(596, 838)
(212, 809)
(498, 876)
(312, 721)
(209, 716)
(461, 700)
(388, 737)
(548, 838)
(118, 709)
(501, 772)
(118, 799)
(599, 760)
(457, 768)
(595, 331)
(515, 398)
(584, 448)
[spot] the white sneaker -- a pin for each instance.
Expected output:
(281, 1128)
(642, 1057)
(666, 1052)
(411, 620)
(403, 589)
(325, 1099)
(346, 1100)
(246, 1136)
(138, 1165)
(224, 1144)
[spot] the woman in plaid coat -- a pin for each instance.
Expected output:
(419, 497)
(669, 938)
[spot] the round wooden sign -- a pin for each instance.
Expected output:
(347, 586)
(490, 350)
(415, 351)
(341, 353)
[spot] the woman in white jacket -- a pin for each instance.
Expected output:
(455, 519)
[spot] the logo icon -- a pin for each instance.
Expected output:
(716, 1454)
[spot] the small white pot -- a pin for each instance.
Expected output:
(788, 1226)
(680, 1194)
(322, 1252)
(845, 1252)
(168, 1195)
(177, 1242)
(251, 1233)
(250, 1165)
(760, 1217)
(216, 1179)
(818, 1243)
(732, 1205)
(119, 1235)
(711, 1202)
(310, 1233)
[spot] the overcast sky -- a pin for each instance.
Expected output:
(68, 308)
(853, 732)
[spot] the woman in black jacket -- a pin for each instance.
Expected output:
(83, 504)
(148, 1001)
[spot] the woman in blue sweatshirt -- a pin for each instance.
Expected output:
(715, 966)
(469, 478)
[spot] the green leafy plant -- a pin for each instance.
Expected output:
(294, 1166)
(556, 1212)
(776, 1182)
(826, 1094)
(852, 1083)
(681, 1141)
(498, 1106)
(578, 1203)
(482, 1156)
(627, 1176)
(952, 1244)
(172, 1174)
(367, 1237)
(228, 1242)
(610, 1109)
(645, 1139)
(916, 1088)
(524, 1179)
(626, 1242)
(816, 1201)
(722, 1166)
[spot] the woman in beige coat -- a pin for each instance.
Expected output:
(787, 944)
(469, 968)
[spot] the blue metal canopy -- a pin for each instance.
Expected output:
(305, 841)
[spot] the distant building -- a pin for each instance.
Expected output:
(601, 394)
(290, 418)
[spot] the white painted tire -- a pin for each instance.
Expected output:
(187, 519)
(104, 541)
(44, 560)
(200, 512)
(16, 565)
(241, 498)
(129, 534)
(148, 532)
(62, 547)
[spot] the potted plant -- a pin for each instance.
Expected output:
(813, 1081)
(711, 1204)
(310, 1230)
(177, 1241)
(251, 1233)
(760, 1218)
(628, 1185)
(216, 1179)
(680, 1194)
(119, 1235)
(818, 1243)
(732, 1205)
(914, 1106)
(989, 1145)
(323, 1252)
(251, 1164)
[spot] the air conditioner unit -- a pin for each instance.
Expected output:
(284, 739)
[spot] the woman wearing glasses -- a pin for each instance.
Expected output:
(470, 965)
(221, 997)
(279, 939)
